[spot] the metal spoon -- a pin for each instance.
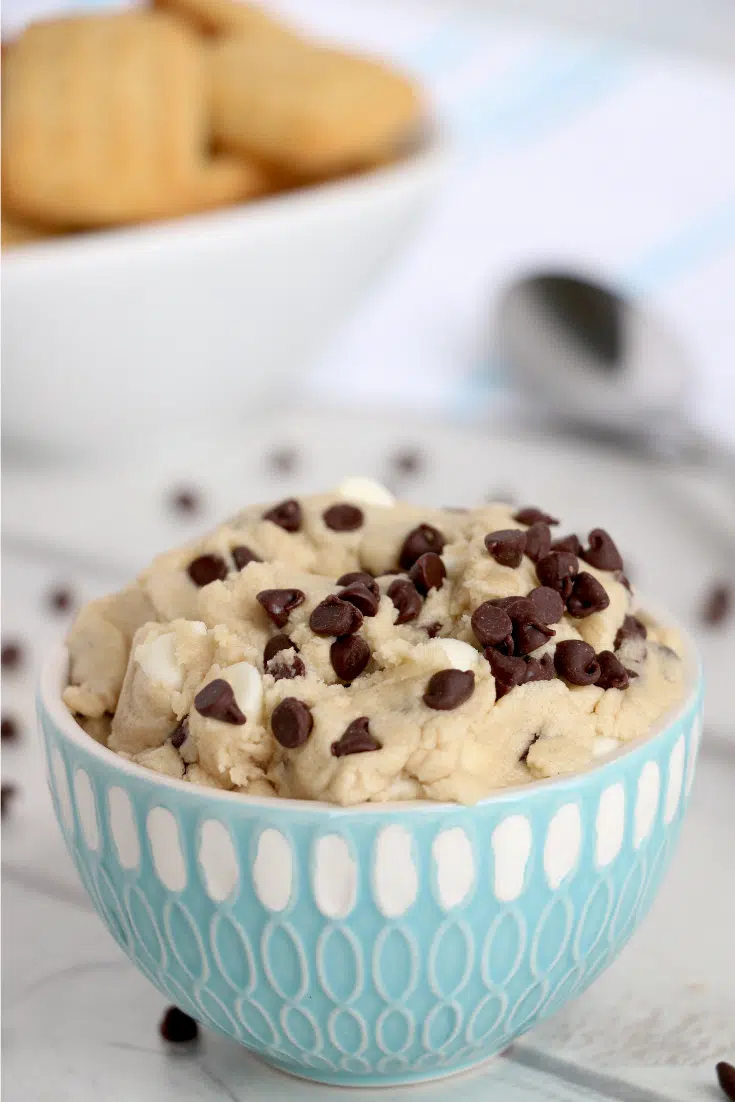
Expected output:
(603, 365)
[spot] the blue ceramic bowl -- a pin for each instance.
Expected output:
(380, 944)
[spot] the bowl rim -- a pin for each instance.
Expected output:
(431, 154)
(53, 679)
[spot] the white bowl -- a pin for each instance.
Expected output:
(109, 337)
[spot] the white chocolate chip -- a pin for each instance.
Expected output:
(366, 491)
(604, 745)
(157, 659)
(247, 686)
(461, 656)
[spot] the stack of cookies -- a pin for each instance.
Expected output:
(115, 118)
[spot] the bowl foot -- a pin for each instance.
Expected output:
(388, 1079)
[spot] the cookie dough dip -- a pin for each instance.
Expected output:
(348, 647)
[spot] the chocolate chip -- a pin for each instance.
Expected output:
(576, 662)
(360, 576)
(524, 756)
(280, 668)
(490, 624)
(217, 701)
(362, 597)
(717, 605)
(587, 596)
(613, 674)
(9, 729)
(349, 656)
(507, 671)
(506, 546)
(531, 515)
(547, 603)
(11, 656)
(407, 461)
(333, 616)
(356, 739)
(602, 552)
(538, 541)
(556, 570)
(631, 628)
(726, 1079)
(343, 518)
(60, 599)
(185, 500)
(432, 630)
(275, 645)
(520, 609)
(428, 572)
(283, 460)
(406, 599)
(8, 792)
(207, 569)
(180, 734)
(287, 515)
(280, 603)
(529, 637)
(291, 722)
(242, 556)
(573, 544)
(177, 1027)
(447, 689)
(418, 541)
(539, 669)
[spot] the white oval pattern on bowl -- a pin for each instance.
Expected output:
(273, 870)
(168, 860)
(334, 877)
(676, 777)
(86, 808)
(217, 860)
(563, 840)
(395, 878)
(610, 824)
(455, 866)
(511, 843)
(646, 804)
(123, 827)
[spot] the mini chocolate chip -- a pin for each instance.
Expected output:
(11, 656)
(8, 792)
(507, 671)
(613, 674)
(291, 722)
(280, 603)
(217, 701)
(573, 544)
(242, 556)
(432, 630)
(547, 603)
(490, 624)
(349, 656)
(356, 739)
(587, 596)
(406, 599)
(206, 569)
(333, 616)
(343, 518)
(531, 515)
(279, 668)
(407, 461)
(538, 541)
(576, 662)
(287, 515)
(177, 1027)
(358, 594)
(418, 541)
(556, 570)
(361, 576)
(277, 644)
(447, 689)
(539, 669)
(428, 572)
(283, 460)
(529, 637)
(602, 552)
(726, 1079)
(717, 605)
(180, 734)
(506, 546)
(9, 729)
(631, 628)
(185, 500)
(60, 599)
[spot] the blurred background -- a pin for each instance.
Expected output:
(531, 299)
